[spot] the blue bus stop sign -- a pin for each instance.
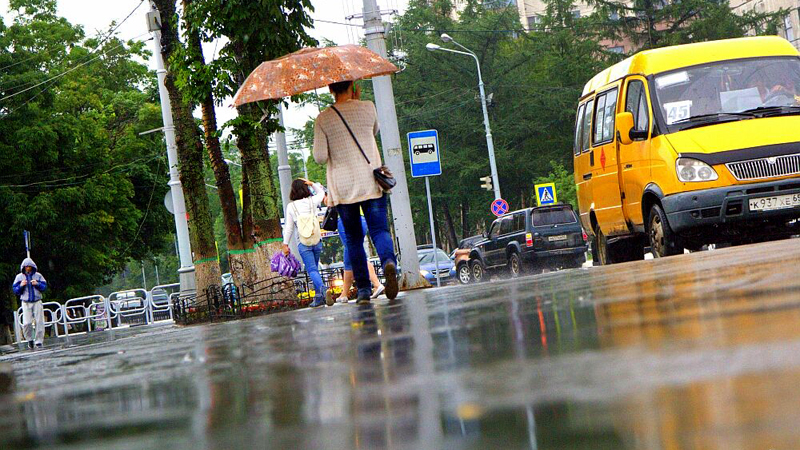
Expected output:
(423, 153)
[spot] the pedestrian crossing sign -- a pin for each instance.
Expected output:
(546, 194)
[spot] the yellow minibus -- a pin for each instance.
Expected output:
(680, 147)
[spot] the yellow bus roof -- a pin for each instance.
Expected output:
(659, 60)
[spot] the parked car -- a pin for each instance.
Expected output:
(532, 239)
(460, 258)
(428, 267)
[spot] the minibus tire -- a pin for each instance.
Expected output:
(605, 255)
(663, 241)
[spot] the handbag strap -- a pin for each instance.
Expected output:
(351, 134)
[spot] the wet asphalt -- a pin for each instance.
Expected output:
(696, 351)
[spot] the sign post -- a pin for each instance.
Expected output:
(423, 153)
(546, 194)
(27, 242)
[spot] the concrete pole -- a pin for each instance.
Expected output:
(285, 173)
(489, 140)
(393, 153)
(186, 270)
(284, 169)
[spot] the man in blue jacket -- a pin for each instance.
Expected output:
(29, 285)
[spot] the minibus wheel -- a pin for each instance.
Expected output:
(603, 251)
(663, 241)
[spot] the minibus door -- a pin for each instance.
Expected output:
(605, 173)
(634, 158)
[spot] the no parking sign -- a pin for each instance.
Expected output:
(499, 207)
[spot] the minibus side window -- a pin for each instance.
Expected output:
(587, 125)
(578, 130)
(609, 116)
(599, 117)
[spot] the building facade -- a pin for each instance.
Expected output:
(790, 26)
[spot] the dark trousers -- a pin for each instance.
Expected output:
(376, 215)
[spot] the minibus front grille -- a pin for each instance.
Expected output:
(756, 169)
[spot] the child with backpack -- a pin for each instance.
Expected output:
(301, 214)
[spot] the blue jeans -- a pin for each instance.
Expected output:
(310, 257)
(343, 238)
(376, 216)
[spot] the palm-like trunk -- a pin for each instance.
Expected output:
(190, 159)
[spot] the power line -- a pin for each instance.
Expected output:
(75, 177)
(111, 33)
(55, 77)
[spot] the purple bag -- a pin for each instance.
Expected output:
(286, 265)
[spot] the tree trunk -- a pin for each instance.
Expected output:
(227, 196)
(451, 228)
(190, 160)
(263, 205)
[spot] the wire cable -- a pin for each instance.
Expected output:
(55, 77)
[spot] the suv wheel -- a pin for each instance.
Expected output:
(514, 265)
(478, 271)
(663, 241)
(464, 273)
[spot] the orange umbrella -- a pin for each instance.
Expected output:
(308, 69)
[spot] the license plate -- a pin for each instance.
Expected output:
(775, 202)
(562, 237)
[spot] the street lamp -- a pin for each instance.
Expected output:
(489, 143)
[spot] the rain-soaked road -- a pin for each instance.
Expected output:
(697, 351)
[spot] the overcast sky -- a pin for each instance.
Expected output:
(96, 15)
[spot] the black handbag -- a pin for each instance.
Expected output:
(330, 222)
(383, 176)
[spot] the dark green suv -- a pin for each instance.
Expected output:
(530, 240)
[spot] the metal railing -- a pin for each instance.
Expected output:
(97, 312)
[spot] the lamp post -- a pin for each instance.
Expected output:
(489, 143)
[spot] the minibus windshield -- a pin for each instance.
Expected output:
(728, 90)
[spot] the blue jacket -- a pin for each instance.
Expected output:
(29, 293)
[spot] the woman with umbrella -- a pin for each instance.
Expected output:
(344, 140)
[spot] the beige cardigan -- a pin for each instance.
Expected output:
(350, 178)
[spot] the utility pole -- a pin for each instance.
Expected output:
(186, 270)
(284, 169)
(393, 152)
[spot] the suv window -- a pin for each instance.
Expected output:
(519, 222)
(552, 216)
(506, 225)
(495, 230)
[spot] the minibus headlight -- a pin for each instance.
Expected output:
(689, 169)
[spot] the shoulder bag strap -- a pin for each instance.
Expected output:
(351, 134)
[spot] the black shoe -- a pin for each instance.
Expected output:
(390, 273)
(364, 297)
(39, 345)
(30, 345)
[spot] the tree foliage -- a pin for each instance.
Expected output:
(74, 170)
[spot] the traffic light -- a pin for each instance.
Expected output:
(487, 183)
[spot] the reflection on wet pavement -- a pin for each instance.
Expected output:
(696, 351)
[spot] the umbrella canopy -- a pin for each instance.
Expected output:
(308, 69)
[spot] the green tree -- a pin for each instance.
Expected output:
(73, 169)
(190, 156)
(255, 32)
(659, 23)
